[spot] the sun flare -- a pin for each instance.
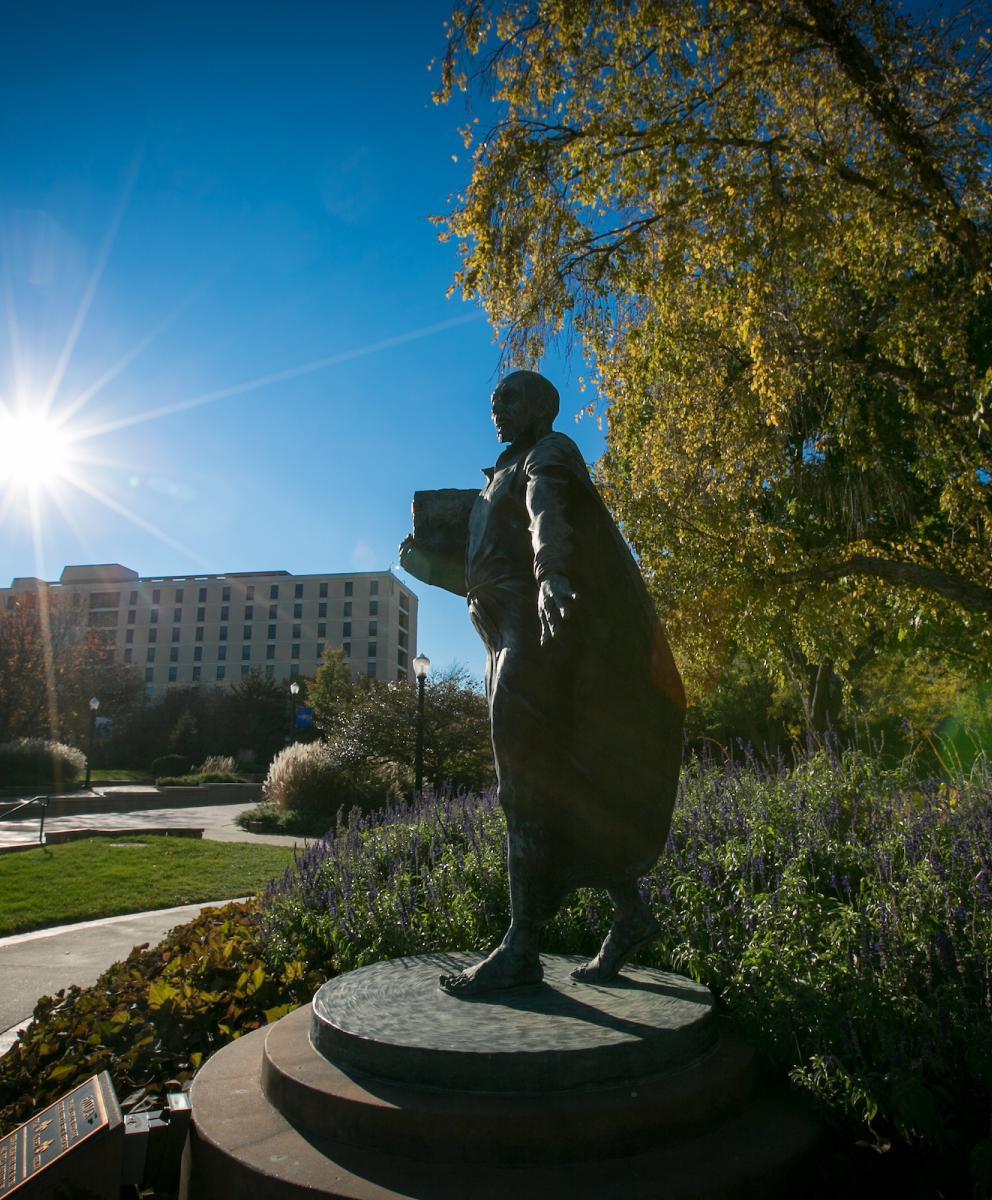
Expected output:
(34, 450)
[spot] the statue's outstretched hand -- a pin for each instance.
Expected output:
(555, 599)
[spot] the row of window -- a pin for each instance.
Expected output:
(106, 620)
(113, 599)
(220, 673)
(371, 653)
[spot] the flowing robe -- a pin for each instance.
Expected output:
(586, 729)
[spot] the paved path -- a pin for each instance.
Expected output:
(216, 821)
(38, 964)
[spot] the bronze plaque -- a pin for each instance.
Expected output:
(55, 1131)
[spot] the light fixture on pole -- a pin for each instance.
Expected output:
(94, 705)
(421, 666)
(294, 691)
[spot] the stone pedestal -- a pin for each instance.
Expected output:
(387, 1087)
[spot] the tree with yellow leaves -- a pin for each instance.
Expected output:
(767, 224)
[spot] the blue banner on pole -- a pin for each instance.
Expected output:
(304, 717)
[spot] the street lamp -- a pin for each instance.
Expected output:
(421, 665)
(294, 691)
(94, 705)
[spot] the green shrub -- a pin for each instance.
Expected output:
(198, 777)
(156, 1016)
(324, 777)
(170, 764)
(37, 762)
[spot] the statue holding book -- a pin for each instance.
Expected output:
(585, 700)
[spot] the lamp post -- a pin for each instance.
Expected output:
(421, 665)
(294, 691)
(94, 705)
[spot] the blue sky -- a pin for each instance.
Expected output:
(198, 197)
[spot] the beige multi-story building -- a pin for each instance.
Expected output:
(212, 630)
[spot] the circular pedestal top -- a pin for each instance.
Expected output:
(392, 1021)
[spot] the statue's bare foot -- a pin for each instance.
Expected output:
(621, 944)
(503, 969)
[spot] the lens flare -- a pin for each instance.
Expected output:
(34, 452)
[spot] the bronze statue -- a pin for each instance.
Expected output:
(585, 700)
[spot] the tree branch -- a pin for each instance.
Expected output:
(972, 596)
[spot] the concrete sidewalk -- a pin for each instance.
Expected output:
(216, 820)
(40, 963)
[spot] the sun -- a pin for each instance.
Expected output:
(34, 450)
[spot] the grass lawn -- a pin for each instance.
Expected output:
(119, 775)
(104, 877)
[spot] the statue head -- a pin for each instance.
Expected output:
(525, 405)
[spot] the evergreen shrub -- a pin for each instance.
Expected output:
(326, 776)
(171, 764)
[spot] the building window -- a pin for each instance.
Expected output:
(373, 628)
(173, 674)
(374, 587)
(222, 633)
(273, 611)
(404, 621)
(179, 595)
(196, 674)
(404, 600)
(297, 610)
(128, 654)
(323, 591)
(322, 609)
(132, 616)
(247, 633)
(149, 674)
(297, 631)
(349, 588)
(176, 633)
(199, 633)
(270, 672)
(402, 639)
(372, 650)
(246, 652)
(220, 672)
(129, 636)
(225, 595)
(197, 654)
(294, 671)
(347, 608)
(321, 629)
(370, 670)
(295, 650)
(153, 635)
(346, 629)
(201, 614)
(273, 591)
(298, 593)
(153, 616)
(202, 595)
(249, 612)
(157, 596)
(221, 653)
(270, 652)
(225, 612)
(250, 592)
(150, 654)
(134, 599)
(373, 608)
(401, 676)
(346, 649)
(272, 633)
(320, 649)
(174, 654)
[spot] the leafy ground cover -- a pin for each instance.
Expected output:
(100, 877)
(197, 777)
(271, 819)
(842, 915)
(119, 775)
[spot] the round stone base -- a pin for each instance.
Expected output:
(390, 1020)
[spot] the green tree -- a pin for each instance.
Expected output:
(767, 224)
(331, 692)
